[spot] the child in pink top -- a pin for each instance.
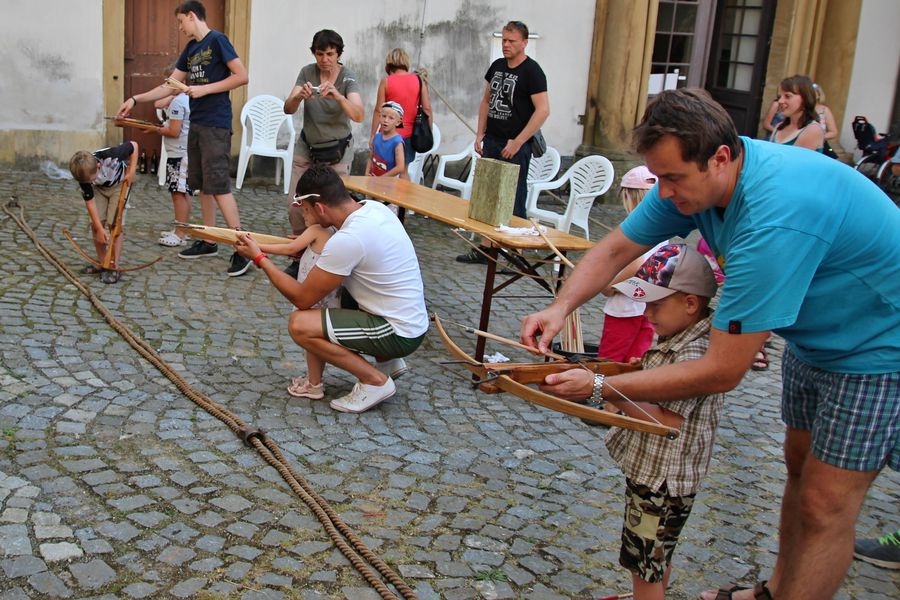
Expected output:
(626, 332)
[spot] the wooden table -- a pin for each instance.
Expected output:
(453, 211)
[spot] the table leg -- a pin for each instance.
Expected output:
(487, 299)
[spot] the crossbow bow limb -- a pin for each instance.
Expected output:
(115, 232)
(516, 379)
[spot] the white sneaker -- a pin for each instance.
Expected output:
(301, 388)
(393, 368)
(168, 238)
(363, 397)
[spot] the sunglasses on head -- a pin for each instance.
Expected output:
(298, 199)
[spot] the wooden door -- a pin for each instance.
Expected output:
(153, 43)
(737, 62)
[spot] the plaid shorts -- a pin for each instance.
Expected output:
(653, 522)
(854, 419)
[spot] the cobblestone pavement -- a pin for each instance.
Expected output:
(113, 484)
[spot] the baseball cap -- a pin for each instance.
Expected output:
(638, 178)
(394, 106)
(672, 268)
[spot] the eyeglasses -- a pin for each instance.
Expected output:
(298, 199)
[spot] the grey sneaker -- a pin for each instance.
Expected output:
(883, 551)
(393, 368)
(363, 397)
(199, 249)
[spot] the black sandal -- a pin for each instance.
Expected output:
(91, 270)
(110, 276)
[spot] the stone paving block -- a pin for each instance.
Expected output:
(92, 574)
(14, 540)
(188, 587)
(49, 584)
(22, 566)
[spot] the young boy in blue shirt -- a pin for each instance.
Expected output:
(388, 158)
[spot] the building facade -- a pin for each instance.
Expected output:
(604, 60)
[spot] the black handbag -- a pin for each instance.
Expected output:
(422, 138)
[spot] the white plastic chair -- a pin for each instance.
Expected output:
(415, 170)
(464, 187)
(163, 155)
(543, 168)
(588, 178)
(262, 118)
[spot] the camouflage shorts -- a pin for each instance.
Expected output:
(653, 522)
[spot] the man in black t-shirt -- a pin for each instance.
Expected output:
(514, 106)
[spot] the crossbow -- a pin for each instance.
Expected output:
(516, 378)
(115, 232)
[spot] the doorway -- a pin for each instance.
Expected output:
(152, 45)
(737, 63)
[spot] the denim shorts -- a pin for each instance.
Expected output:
(854, 419)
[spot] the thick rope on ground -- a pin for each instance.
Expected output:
(347, 541)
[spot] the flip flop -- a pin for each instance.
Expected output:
(725, 593)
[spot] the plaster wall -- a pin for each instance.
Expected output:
(452, 39)
(52, 70)
(873, 83)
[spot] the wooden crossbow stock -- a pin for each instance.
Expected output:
(227, 236)
(115, 232)
(134, 123)
(516, 378)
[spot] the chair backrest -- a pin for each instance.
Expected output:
(590, 177)
(416, 169)
(262, 118)
(545, 167)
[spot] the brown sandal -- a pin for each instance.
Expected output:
(727, 593)
(761, 592)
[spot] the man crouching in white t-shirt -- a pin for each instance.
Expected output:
(373, 258)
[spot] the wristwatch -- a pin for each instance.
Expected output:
(596, 400)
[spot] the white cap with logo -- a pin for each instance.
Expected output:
(672, 268)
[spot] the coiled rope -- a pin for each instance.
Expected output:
(351, 546)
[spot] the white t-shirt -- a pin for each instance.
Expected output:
(180, 110)
(375, 255)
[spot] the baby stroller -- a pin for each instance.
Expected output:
(874, 147)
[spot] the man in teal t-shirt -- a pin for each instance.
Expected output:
(809, 249)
